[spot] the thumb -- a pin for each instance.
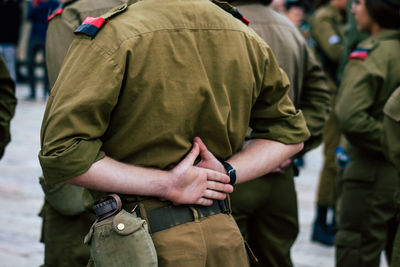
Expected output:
(204, 152)
(191, 157)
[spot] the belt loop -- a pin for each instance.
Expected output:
(195, 214)
(225, 206)
(228, 203)
(143, 214)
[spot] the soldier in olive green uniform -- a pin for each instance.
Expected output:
(65, 221)
(266, 208)
(352, 37)
(139, 90)
(328, 31)
(7, 105)
(391, 137)
(367, 211)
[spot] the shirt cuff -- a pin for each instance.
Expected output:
(291, 130)
(72, 162)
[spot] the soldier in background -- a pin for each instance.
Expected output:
(65, 221)
(10, 26)
(352, 37)
(7, 105)
(37, 14)
(367, 218)
(266, 208)
(328, 31)
(391, 144)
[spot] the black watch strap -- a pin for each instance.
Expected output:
(231, 172)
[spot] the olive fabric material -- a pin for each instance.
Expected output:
(8, 102)
(391, 128)
(352, 37)
(216, 236)
(367, 208)
(63, 238)
(212, 241)
(265, 210)
(134, 52)
(367, 222)
(121, 240)
(153, 78)
(365, 89)
(328, 31)
(65, 200)
(269, 219)
(327, 28)
(326, 190)
(391, 137)
(60, 31)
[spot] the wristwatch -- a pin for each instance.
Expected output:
(231, 172)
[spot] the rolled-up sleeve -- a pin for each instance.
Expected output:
(273, 115)
(78, 111)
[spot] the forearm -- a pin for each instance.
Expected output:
(112, 176)
(259, 157)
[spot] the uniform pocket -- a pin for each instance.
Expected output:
(123, 241)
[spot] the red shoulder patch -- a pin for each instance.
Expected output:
(90, 26)
(58, 11)
(359, 54)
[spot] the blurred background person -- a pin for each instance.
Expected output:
(367, 218)
(328, 31)
(7, 105)
(38, 12)
(266, 208)
(391, 144)
(65, 220)
(10, 25)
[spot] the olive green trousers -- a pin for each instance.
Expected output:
(213, 241)
(367, 219)
(326, 192)
(63, 238)
(266, 212)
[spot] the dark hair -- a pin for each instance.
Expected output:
(385, 14)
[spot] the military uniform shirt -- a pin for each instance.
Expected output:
(328, 31)
(367, 84)
(309, 91)
(156, 76)
(7, 105)
(60, 31)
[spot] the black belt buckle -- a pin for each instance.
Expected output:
(107, 206)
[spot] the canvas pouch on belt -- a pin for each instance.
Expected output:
(122, 240)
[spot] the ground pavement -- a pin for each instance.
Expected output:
(21, 196)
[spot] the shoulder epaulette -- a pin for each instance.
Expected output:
(364, 49)
(59, 10)
(232, 10)
(359, 53)
(90, 26)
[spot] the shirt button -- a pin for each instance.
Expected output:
(121, 226)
